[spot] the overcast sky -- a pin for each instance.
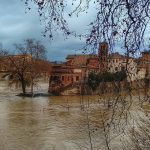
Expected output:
(16, 25)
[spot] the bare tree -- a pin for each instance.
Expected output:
(28, 65)
(38, 69)
(18, 66)
(33, 48)
(3, 52)
(122, 20)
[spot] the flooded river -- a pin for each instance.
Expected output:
(42, 123)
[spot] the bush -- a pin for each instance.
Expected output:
(111, 77)
(94, 79)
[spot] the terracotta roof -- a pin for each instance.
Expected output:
(18, 55)
(81, 55)
(72, 56)
(116, 55)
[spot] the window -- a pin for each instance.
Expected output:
(122, 68)
(62, 78)
(116, 68)
(77, 78)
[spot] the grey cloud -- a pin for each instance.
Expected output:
(16, 25)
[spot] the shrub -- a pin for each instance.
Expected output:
(95, 79)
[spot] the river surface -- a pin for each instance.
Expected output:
(41, 123)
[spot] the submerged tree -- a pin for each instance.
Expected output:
(38, 69)
(28, 65)
(18, 66)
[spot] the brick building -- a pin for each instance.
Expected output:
(9, 62)
(75, 70)
(12, 64)
(118, 62)
(144, 65)
(68, 74)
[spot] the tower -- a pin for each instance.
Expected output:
(103, 49)
(103, 56)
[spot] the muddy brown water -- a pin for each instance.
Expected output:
(42, 123)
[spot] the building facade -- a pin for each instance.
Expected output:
(74, 72)
(143, 65)
(118, 62)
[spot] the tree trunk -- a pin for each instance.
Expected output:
(23, 86)
(32, 87)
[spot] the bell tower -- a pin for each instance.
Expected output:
(103, 49)
(103, 56)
